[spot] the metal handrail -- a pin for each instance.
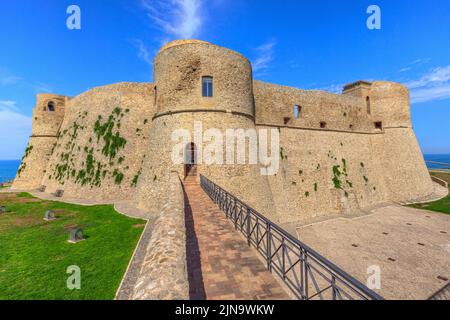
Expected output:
(306, 273)
(439, 163)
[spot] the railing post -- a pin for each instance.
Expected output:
(283, 252)
(269, 247)
(333, 283)
(248, 225)
(305, 274)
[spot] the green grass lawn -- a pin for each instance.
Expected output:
(442, 205)
(35, 254)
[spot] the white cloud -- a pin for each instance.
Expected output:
(435, 85)
(15, 128)
(10, 80)
(8, 105)
(143, 51)
(181, 19)
(40, 87)
(405, 69)
(264, 56)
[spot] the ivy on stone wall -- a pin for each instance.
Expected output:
(340, 172)
(93, 171)
(23, 164)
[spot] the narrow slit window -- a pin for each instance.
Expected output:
(368, 105)
(297, 111)
(207, 87)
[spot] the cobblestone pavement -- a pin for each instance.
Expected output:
(220, 263)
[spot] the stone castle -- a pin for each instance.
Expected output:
(339, 153)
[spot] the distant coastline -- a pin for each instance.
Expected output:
(445, 158)
(8, 168)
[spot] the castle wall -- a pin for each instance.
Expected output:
(343, 153)
(245, 181)
(178, 73)
(46, 124)
(275, 106)
(101, 146)
(34, 163)
(349, 165)
(403, 167)
(326, 173)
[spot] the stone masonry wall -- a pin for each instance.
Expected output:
(343, 153)
(46, 125)
(163, 274)
(101, 145)
(179, 69)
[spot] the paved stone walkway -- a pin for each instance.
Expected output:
(220, 263)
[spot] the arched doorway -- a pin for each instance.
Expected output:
(190, 160)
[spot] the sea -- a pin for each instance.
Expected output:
(8, 168)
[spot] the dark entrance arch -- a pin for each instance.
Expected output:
(190, 160)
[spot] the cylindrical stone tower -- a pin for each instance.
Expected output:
(48, 115)
(408, 178)
(201, 85)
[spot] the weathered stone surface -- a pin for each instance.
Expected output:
(366, 130)
(163, 275)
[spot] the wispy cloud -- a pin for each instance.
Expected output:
(434, 85)
(8, 105)
(181, 19)
(16, 127)
(40, 87)
(265, 54)
(415, 64)
(144, 53)
(10, 80)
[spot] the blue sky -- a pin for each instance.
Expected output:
(319, 44)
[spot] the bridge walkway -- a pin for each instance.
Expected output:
(220, 263)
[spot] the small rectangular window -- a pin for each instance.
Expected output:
(207, 87)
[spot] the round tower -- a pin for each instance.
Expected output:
(48, 115)
(196, 75)
(201, 88)
(390, 103)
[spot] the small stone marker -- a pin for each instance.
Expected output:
(2, 209)
(59, 193)
(76, 235)
(49, 215)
